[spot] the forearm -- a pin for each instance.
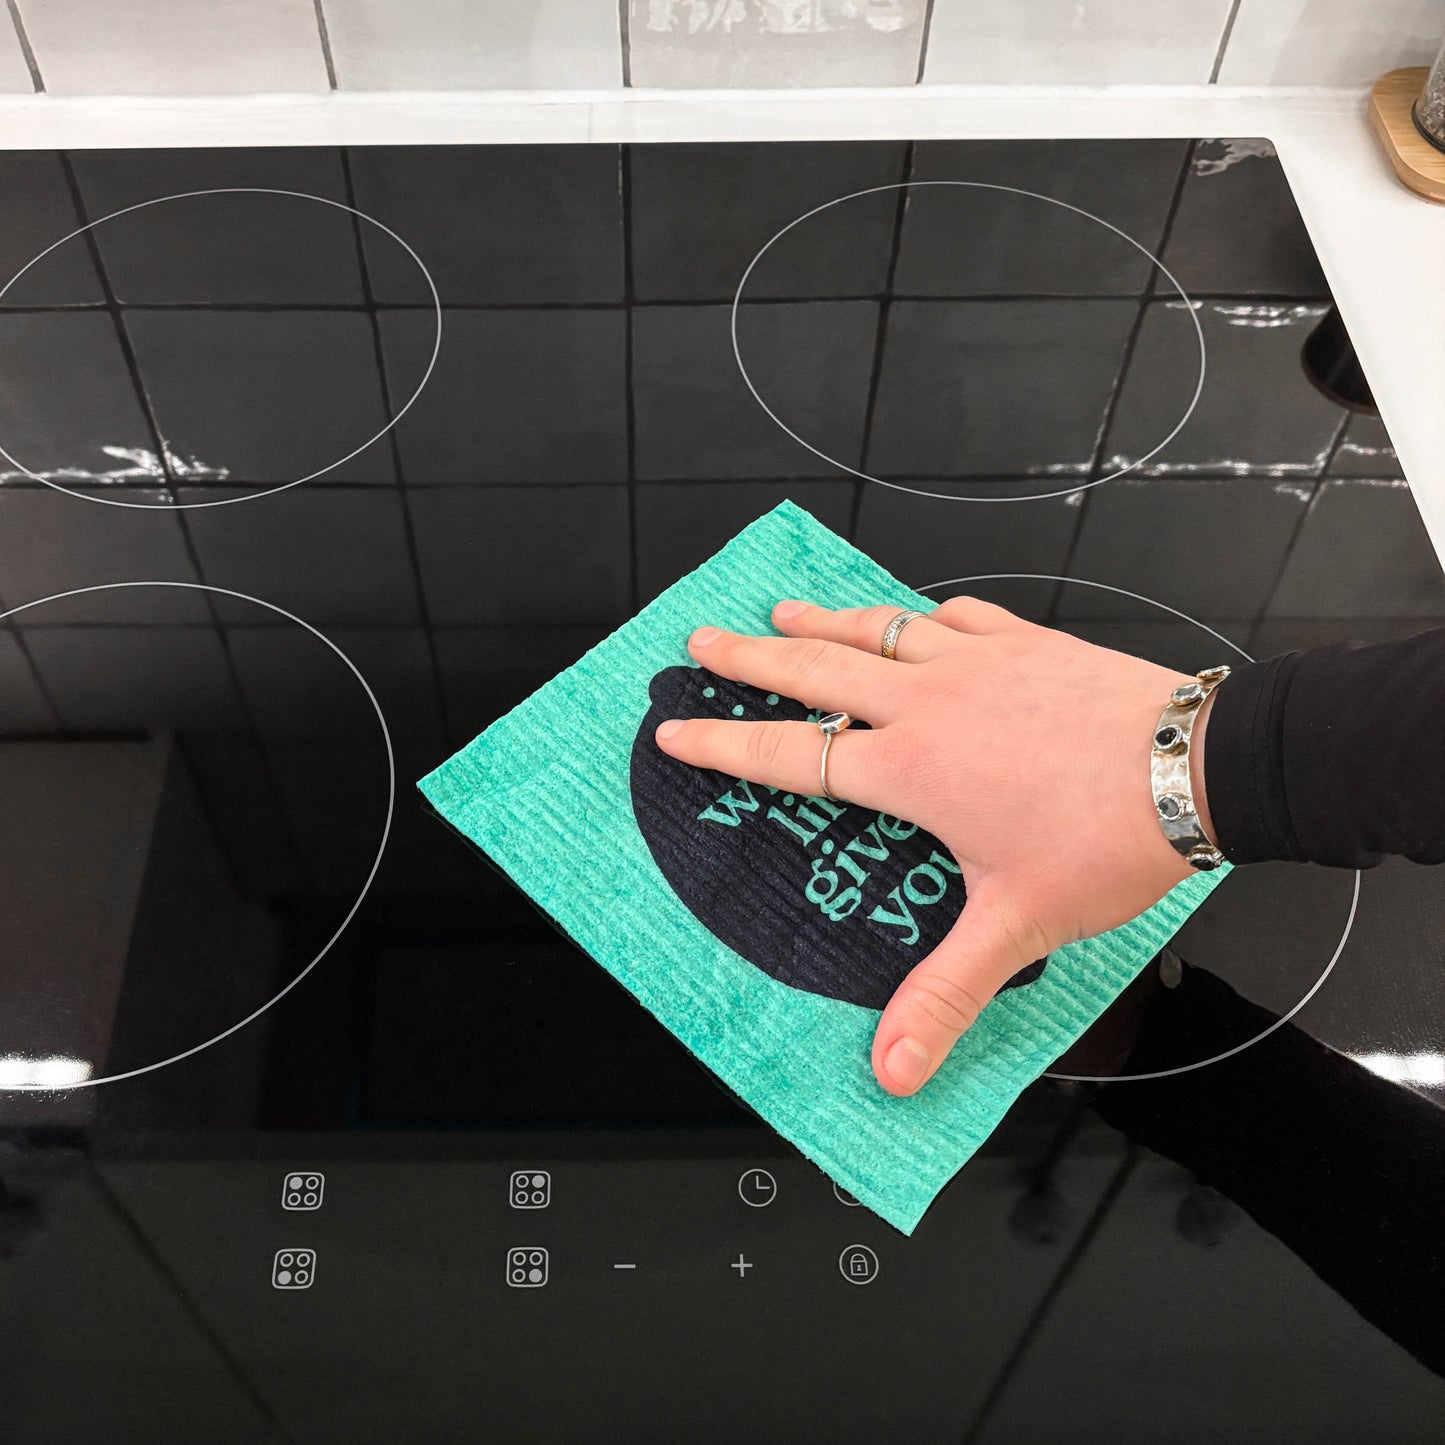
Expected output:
(1335, 755)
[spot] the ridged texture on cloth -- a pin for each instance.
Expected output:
(545, 792)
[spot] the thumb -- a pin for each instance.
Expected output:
(946, 992)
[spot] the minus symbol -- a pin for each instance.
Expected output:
(624, 1266)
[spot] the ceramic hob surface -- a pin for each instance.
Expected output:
(312, 463)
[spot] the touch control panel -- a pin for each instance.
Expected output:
(389, 1287)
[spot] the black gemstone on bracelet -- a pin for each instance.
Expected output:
(1167, 737)
(1171, 806)
(1205, 859)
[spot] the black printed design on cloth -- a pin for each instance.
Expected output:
(828, 897)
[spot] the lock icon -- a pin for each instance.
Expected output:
(858, 1264)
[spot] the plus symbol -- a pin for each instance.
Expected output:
(742, 1266)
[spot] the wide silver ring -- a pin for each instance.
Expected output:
(830, 726)
(891, 632)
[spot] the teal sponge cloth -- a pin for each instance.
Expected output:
(726, 909)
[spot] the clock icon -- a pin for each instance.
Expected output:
(757, 1188)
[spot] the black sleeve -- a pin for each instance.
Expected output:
(1344, 1167)
(1335, 755)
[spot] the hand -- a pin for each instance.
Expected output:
(1025, 750)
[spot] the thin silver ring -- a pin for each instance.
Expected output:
(830, 726)
(892, 632)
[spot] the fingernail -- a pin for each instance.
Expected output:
(704, 635)
(789, 609)
(670, 728)
(907, 1063)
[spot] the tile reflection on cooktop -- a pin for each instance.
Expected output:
(141, 937)
(1004, 363)
(196, 787)
(586, 437)
(259, 361)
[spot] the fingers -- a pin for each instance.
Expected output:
(943, 995)
(816, 672)
(787, 756)
(863, 628)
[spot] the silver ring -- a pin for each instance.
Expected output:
(891, 632)
(830, 726)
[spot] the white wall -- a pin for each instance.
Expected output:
(176, 47)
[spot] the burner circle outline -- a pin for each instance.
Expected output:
(365, 887)
(1190, 306)
(436, 305)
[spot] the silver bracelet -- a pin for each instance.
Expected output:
(1169, 771)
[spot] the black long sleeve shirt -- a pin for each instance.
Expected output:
(1335, 755)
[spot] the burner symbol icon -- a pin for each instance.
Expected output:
(303, 1191)
(293, 1268)
(527, 1267)
(530, 1189)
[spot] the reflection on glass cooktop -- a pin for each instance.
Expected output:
(314, 462)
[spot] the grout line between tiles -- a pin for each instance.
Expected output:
(1336, 442)
(1062, 483)
(12, 628)
(624, 182)
(111, 305)
(168, 484)
(1224, 38)
(1096, 1221)
(393, 443)
(325, 37)
(624, 40)
(26, 49)
(663, 304)
(923, 41)
(1317, 487)
(145, 1249)
(880, 337)
(1111, 406)
(41, 686)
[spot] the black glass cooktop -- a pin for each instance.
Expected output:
(314, 462)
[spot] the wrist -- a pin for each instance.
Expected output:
(1176, 771)
(1144, 720)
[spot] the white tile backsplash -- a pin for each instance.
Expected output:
(14, 73)
(175, 47)
(756, 44)
(1074, 42)
(180, 47)
(475, 44)
(1330, 42)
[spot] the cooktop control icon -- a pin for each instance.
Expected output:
(526, 1267)
(531, 1189)
(757, 1187)
(858, 1264)
(293, 1268)
(302, 1191)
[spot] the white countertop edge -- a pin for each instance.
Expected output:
(1382, 248)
